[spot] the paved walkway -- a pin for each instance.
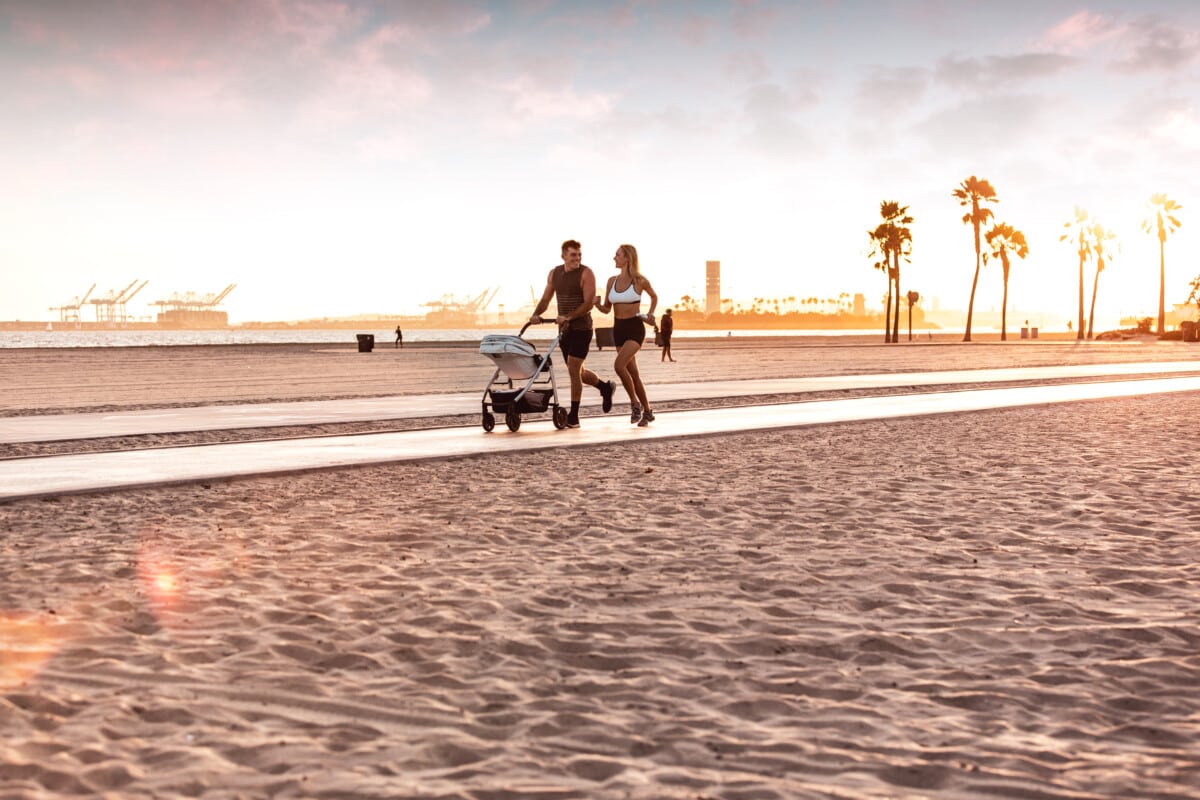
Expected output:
(66, 427)
(66, 474)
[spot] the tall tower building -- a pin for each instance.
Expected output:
(712, 287)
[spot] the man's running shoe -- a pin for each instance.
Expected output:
(606, 394)
(647, 418)
(635, 414)
(572, 420)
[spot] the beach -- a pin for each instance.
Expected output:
(994, 604)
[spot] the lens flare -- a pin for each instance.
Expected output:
(161, 583)
(28, 641)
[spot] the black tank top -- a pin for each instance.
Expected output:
(569, 294)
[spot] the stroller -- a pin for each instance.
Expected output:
(523, 382)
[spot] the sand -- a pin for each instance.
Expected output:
(996, 604)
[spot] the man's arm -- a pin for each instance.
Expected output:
(544, 303)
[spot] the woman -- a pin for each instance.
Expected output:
(623, 296)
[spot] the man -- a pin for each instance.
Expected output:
(399, 337)
(574, 287)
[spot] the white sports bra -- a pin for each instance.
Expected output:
(630, 295)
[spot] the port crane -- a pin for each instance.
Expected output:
(447, 310)
(69, 312)
(192, 302)
(111, 307)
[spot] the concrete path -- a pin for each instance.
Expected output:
(66, 474)
(66, 427)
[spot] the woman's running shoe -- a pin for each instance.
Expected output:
(635, 414)
(647, 418)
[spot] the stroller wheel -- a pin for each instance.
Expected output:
(560, 417)
(512, 418)
(489, 422)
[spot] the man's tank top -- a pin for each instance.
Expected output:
(569, 293)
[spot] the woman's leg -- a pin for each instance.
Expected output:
(625, 356)
(636, 378)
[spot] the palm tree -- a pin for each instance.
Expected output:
(881, 247)
(1077, 228)
(1099, 236)
(896, 218)
(972, 192)
(1161, 223)
(891, 240)
(1003, 239)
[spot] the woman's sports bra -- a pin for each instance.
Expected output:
(630, 295)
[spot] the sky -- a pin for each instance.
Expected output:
(334, 158)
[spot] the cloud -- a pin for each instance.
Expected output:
(770, 117)
(996, 72)
(889, 91)
(985, 124)
(530, 100)
(1181, 129)
(1148, 44)
(751, 19)
(1158, 46)
(1081, 31)
(695, 29)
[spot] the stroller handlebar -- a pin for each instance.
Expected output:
(531, 322)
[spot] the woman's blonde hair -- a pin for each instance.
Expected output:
(635, 271)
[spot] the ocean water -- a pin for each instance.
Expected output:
(66, 337)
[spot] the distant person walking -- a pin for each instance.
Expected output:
(399, 337)
(623, 296)
(665, 328)
(574, 286)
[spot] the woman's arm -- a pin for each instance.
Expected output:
(648, 289)
(602, 305)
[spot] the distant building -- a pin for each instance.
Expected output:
(860, 305)
(712, 287)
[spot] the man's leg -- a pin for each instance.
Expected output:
(575, 371)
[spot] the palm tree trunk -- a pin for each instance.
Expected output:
(896, 318)
(1095, 286)
(1079, 335)
(887, 320)
(974, 284)
(1004, 313)
(1162, 286)
(971, 305)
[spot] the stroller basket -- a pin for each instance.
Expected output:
(535, 400)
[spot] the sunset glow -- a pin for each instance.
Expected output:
(345, 157)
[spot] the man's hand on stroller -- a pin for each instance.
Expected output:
(535, 320)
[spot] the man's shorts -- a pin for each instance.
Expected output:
(576, 343)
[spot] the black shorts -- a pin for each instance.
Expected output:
(629, 330)
(576, 343)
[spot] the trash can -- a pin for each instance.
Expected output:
(1190, 331)
(366, 342)
(1033, 333)
(1024, 333)
(604, 338)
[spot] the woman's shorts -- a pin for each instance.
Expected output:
(629, 330)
